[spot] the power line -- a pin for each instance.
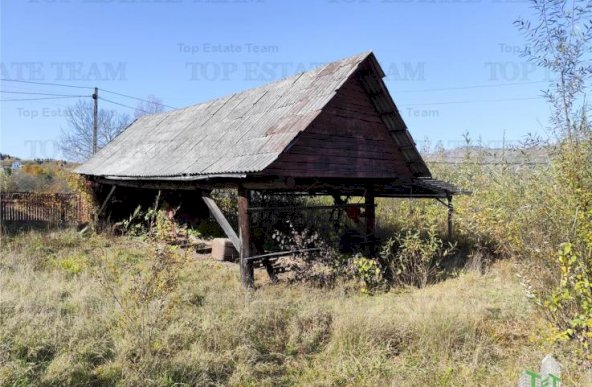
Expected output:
(60, 96)
(138, 99)
(471, 87)
(84, 87)
(116, 103)
(35, 93)
(78, 87)
(39, 99)
(402, 91)
(471, 101)
(44, 83)
(121, 104)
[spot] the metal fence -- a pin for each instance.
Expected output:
(55, 209)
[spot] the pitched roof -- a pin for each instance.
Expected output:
(244, 132)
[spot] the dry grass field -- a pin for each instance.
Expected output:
(103, 310)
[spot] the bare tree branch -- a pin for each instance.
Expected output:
(76, 140)
(152, 105)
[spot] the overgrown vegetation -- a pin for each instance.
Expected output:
(538, 214)
(47, 176)
(562, 44)
(103, 310)
(410, 259)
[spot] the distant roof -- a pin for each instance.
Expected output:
(243, 133)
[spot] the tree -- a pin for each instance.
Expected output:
(151, 105)
(76, 141)
(560, 40)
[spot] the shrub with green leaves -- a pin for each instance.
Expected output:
(570, 304)
(412, 259)
(368, 272)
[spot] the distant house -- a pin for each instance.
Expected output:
(16, 164)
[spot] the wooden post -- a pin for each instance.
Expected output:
(450, 211)
(246, 267)
(270, 271)
(370, 214)
(105, 202)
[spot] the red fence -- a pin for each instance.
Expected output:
(47, 208)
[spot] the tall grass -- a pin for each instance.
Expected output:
(60, 324)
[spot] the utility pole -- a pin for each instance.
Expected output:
(95, 97)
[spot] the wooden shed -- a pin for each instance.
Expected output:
(331, 131)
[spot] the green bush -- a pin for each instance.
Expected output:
(570, 303)
(410, 259)
(368, 272)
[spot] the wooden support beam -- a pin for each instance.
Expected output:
(246, 266)
(226, 227)
(370, 212)
(155, 185)
(104, 205)
(278, 254)
(370, 215)
(270, 271)
(306, 208)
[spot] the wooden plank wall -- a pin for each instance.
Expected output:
(348, 140)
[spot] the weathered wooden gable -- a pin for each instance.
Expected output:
(348, 139)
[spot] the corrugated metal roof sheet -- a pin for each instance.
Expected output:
(237, 134)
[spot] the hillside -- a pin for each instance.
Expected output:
(511, 155)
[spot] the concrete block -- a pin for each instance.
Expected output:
(223, 250)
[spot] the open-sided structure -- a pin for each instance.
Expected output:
(333, 131)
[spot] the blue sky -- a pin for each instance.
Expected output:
(452, 65)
